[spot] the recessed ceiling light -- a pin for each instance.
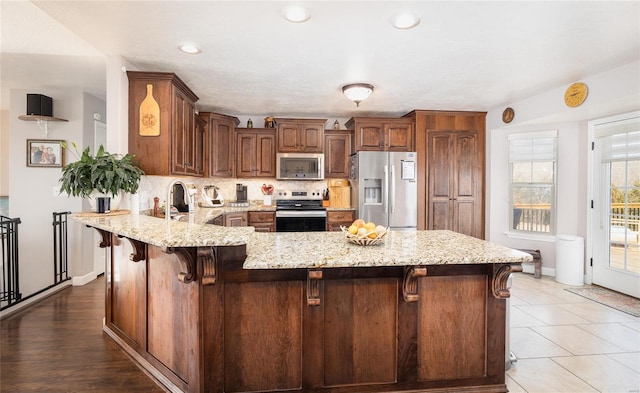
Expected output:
(405, 21)
(296, 14)
(191, 49)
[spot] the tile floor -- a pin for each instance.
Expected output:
(566, 343)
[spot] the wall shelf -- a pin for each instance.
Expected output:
(42, 121)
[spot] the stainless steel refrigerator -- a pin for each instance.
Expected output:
(384, 188)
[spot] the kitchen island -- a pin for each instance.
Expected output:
(213, 309)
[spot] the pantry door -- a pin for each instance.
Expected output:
(616, 203)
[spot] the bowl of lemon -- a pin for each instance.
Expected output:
(364, 233)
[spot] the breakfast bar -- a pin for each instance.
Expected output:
(204, 308)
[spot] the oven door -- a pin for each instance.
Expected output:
(301, 220)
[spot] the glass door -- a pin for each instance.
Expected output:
(615, 225)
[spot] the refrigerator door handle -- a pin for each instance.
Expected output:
(385, 191)
(392, 188)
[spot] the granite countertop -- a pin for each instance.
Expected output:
(302, 250)
(399, 248)
(159, 232)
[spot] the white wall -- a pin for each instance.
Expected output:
(612, 92)
(33, 191)
(4, 153)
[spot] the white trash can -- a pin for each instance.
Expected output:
(570, 260)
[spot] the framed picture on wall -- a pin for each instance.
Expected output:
(45, 153)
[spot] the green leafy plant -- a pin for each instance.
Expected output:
(103, 172)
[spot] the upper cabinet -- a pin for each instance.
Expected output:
(337, 149)
(300, 135)
(219, 144)
(255, 152)
(382, 134)
(163, 132)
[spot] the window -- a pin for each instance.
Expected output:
(532, 182)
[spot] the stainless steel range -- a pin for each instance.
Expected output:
(300, 211)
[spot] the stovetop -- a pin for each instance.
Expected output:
(299, 200)
(298, 195)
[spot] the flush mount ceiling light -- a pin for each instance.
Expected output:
(296, 14)
(405, 21)
(189, 48)
(357, 92)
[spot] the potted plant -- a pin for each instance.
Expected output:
(102, 174)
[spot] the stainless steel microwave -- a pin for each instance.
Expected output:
(299, 166)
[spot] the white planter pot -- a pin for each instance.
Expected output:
(115, 200)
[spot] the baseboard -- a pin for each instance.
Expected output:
(546, 271)
(34, 299)
(79, 281)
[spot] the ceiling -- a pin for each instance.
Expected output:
(464, 55)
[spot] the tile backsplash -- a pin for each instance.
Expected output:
(152, 186)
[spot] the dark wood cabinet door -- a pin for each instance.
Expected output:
(336, 154)
(455, 182)
(263, 221)
(312, 138)
(220, 148)
(289, 137)
(369, 136)
(246, 154)
(256, 153)
(337, 218)
(266, 155)
(399, 136)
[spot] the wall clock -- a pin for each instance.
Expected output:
(576, 94)
(508, 115)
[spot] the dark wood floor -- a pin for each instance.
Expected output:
(57, 345)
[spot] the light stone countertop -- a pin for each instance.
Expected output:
(399, 248)
(301, 250)
(159, 232)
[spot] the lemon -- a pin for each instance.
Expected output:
(353, 229)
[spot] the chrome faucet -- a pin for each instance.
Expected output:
(167, 210)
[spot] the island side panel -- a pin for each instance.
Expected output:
(173, 318)
(360, 330)
(126, 295)
(452, 327)
(263, 336)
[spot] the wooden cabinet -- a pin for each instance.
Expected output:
(176, 148)
(263, 221)
(219, 144)
(300, 135)
(337, 149)
(256, 153)
(451, 160)
(237, 219)
(382, 134)
(341, 217)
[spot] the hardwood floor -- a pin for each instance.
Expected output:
(57, 345)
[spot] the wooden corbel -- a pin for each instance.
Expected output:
(139, 250)
(313, 287)
(106, 238)
(187, 260)
(501, 275)
(209, 264)
(410, 282)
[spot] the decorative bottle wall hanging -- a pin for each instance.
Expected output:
(149, 115)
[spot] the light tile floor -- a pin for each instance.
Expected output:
(566, 343)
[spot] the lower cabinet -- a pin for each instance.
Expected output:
(337, 218)
(263, 221)
(238, 219)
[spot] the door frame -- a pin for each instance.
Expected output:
(591, 167)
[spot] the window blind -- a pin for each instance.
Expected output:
(533, 146)
(619, 141)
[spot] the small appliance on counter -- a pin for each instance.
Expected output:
(339, 193)
(211, 197)
(241, 197)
